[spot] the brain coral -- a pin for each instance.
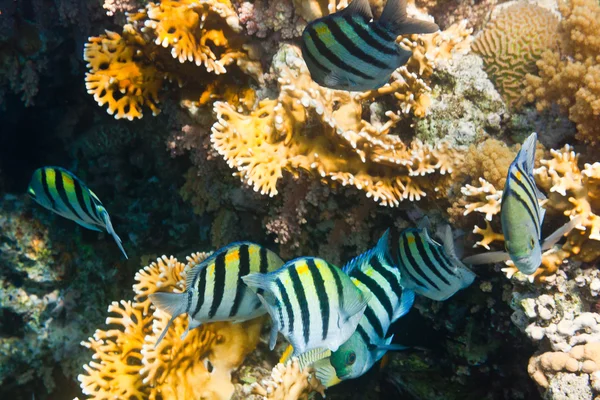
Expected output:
(511, 44)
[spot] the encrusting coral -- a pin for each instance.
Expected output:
(128, 70)
(512, 42)
(570, 76)
(571, 192)
(129, 364)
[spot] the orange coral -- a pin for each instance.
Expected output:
(584, 358)
(311, 128)
(129, 364)
(127, 71)
(512, 42)
(570, 77)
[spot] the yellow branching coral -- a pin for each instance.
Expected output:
(512, 42)
(127, 71)
(120, 78)
(311, 128)
(128, 364)
(288, 382)
(570, 77)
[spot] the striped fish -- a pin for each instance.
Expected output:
(348, 50)
(522, 217)
(214, 288)
(427, 267)
(60, 191)
(311, 302)
(372, 272)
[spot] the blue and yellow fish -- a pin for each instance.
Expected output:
(348, 50)
(215, 290)
(311, 302)
(522, 216)
(427, 267)
(60, 191)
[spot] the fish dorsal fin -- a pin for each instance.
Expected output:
(424, 223)
(194, 271)
(358, 7)
(406, 302)
(363, 259)
(491, 257)
(395, 18)
(526, 156)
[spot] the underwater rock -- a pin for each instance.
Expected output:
(464, 104)
(570, 387)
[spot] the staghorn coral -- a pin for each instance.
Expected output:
(287, 382)
(512, 42)
(311, 128)
(570, 77)
(129, 364)
(128, 70)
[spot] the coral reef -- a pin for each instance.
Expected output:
(570, 76)
(198, 366)
(512, 42)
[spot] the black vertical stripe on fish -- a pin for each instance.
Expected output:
(442, 260)
(280, 313)
(190, 297)
(62, 193)
(377, 290)
(364, 336)
(368, 38)
(413, 263)
(524, 201)
(382, 33)
(289, 310)
(263, 266)
(201, 287)
(528, 191)
(321, 294)
(338, 286)
(332, 57)
(419, 242)
(374, 321)
(307, 53)
(81, 199)
(47, 189)
(302, 302)
(243, 270)
(387, 275)
(351, 46)
(94, 209)
(219, 283)
(533, 191)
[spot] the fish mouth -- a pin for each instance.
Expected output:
(526, 266)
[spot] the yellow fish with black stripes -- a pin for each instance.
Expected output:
(312, 303)
(522, 216)
(60, 191)
(215, 290)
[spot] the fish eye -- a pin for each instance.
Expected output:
(350, 358)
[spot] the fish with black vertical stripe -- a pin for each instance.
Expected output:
(311, 302)
(522, 216)
(372, 272)
(60, 191)
(427, 267)
(348, 50)
(215, 290)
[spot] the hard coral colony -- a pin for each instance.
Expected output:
(430, 128)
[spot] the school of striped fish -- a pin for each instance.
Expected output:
(335, 319)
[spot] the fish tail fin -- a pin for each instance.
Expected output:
(111, 230)
(395, 18)
(526, 155)
(406, 302)
(173, 304)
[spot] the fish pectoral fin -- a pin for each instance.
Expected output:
(355, 305)
(416, 26)
(560, 232)
(358, 7)
(487, 258)
(325, 372)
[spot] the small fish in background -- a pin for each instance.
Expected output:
(522, 216)
(60, 191)
(348, 50)
(311, 302)
(372, 272)
(214, 288)
(427, 267)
